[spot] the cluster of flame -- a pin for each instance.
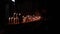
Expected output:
(28, 18)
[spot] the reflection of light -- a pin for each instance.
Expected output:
(13, 0)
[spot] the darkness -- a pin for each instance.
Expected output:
(23, 6)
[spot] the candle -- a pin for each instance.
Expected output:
(28, 15)
(17, 19)
(14, 20)
(9, 20)
(22, 16)
(24, 19)
(19, 14)
(33, 19)
(39, 17)
(14, 13)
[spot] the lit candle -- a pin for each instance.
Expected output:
(14, 13)
(14, 20)
(28, 15)
(22, 16)
(19, 14)
(17, 19)
(29, 19)
(9, 20)
(24, 19)
(34, 19)
(39, 16)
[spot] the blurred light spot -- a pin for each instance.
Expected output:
(13, 0)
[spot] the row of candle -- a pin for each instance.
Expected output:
(14, 19)
(28, 18)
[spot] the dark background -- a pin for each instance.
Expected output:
(23, 6)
